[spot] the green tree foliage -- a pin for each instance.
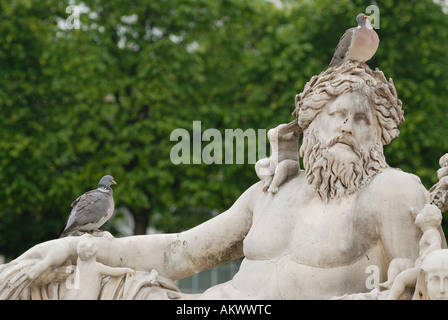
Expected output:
(79, 103)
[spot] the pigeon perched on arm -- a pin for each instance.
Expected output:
(92, 209)
(357, 44)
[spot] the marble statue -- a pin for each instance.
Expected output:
(312, 236)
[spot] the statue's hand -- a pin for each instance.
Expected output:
(129, 271)
(16, 276)
(36, 267)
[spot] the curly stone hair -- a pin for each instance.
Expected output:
(349, 77)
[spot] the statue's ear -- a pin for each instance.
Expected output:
(421, 291)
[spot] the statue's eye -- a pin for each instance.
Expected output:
(362, 118)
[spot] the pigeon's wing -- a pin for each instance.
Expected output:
(342, 48)
(90, 207)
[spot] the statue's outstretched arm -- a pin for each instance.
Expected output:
(216, 241)
(175, 256)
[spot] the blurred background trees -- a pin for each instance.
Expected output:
(103, 99)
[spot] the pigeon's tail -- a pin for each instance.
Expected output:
(63, 233)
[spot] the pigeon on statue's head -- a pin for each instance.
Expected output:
(357, 44)
(92, 209)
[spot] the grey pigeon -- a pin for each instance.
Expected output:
(357, 44)
(92, 209)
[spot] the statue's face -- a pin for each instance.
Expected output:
(341, 146)
(87, 250)
(435, 270)
(347, 124)
(437, 284)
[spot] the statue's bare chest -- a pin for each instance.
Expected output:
(310, 232)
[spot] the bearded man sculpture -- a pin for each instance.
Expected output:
(349, 116)
(313, 239)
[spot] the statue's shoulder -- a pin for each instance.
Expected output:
(392, 177)
(397, 185)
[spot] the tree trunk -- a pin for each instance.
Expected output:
(141, 221)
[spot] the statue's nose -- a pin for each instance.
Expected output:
(347, 126)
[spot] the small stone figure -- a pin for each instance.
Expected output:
(432, 277)
(89, 272)
(284, 159)
(401, 273)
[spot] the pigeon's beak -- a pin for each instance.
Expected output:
(366, 17)
(114, 182)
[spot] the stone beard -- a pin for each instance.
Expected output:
(336, 174)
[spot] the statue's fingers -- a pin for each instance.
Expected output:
(442, 172)
(443, 161)
(45, 277)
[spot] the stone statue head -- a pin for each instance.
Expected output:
(432, 280)
(348, 114)
(86, 247)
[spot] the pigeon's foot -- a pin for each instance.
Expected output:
(361, 64)
(365, 66)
